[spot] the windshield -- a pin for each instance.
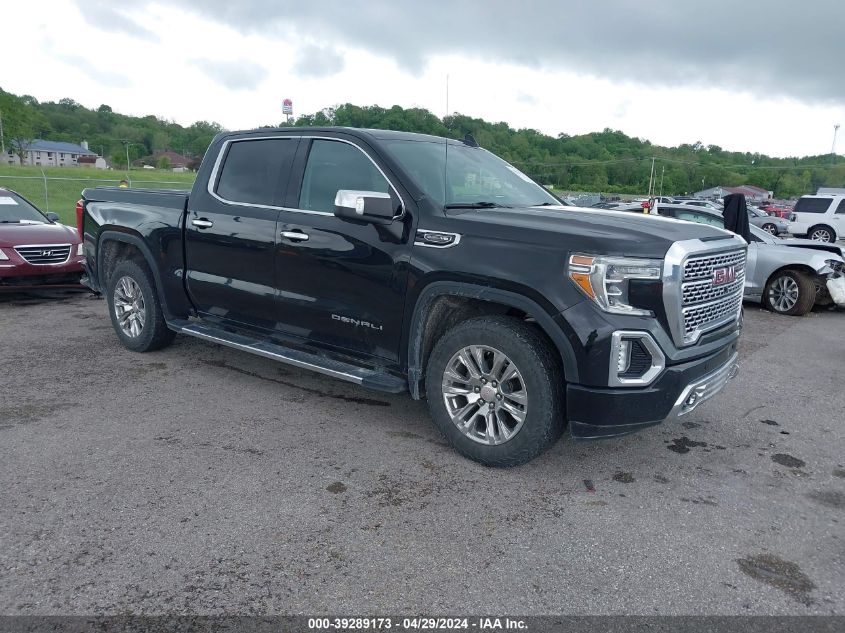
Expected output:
(471, 176)
(14, 209)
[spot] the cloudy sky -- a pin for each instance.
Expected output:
(749, 75)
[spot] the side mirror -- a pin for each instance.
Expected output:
(53, 217)
(369, 206)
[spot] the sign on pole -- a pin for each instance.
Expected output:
(287, 107)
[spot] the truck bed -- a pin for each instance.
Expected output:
(176, 199)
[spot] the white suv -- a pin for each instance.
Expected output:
(820, 218)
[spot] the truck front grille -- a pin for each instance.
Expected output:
(47, 254)
(711, 291)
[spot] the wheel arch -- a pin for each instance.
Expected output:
(442, 304)
(137, 248)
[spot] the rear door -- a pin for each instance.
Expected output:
(809, 212)
(230, 233)
(341, 282)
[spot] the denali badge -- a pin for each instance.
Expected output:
(357, 322)
(722, 276)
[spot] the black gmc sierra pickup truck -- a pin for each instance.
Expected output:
(405, 262)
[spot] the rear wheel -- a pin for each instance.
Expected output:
(495, 390)
(790, 292)
(135, 309)
(770, 228)
(821, 233)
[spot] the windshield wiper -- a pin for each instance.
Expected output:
(473, 205)
(544, 204)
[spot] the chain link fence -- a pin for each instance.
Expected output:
(60, 193)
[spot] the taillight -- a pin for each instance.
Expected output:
(80, 208)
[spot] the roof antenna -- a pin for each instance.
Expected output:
(470, 140)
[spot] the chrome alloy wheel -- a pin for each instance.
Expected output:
(784, 293)
(129, 306)
(485, 394)
(821, 235)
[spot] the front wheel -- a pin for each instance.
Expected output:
(495, 389)
(135, 309)
(770, 228)
(790, 292)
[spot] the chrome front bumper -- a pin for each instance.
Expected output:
(704, 388)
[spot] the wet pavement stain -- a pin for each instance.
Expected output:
(588, 484)
(780, 574)
(682, 445)
(690, 425)
(770, 422)
(707, 501)
(661, 479)
(788, 460)
(623, 478)
(830, 498)
(839, 472)
(337, 487)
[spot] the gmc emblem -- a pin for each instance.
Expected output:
(722, 276)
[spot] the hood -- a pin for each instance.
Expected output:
(594, 230)
(14, 234)
(814, 245)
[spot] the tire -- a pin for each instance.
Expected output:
(790, 292)
(538, 382)
(821, 233)
(770, 228)
(131, 290)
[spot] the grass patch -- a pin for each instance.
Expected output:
(65, 184)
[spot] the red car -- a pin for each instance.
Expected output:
(35, 250)
(779, 211)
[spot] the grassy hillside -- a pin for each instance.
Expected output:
(65, 184)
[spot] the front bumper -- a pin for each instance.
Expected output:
(596, 413)
(17, 274)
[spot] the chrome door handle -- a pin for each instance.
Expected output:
(203, 224)
(296, 236)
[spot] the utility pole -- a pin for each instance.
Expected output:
(651, 179)
(832, 147)
(3, 140)
(662, 173)
(126, 143)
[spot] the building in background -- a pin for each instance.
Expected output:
(42, 153)
(165, 159)
(831, 191)
(751, 193)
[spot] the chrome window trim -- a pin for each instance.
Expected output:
(673, 275)
(457, 241)
(658, 359)
(215, 173)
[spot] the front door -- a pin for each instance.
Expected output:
(341, 282)
(231, 236)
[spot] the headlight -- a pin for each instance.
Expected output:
(80, 249)
(3, 256)
(836, 265)
(605, 279)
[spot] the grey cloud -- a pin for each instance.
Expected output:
(783, 47)
(102, 15)
(317, 61)
(104, 77)
(233, 74)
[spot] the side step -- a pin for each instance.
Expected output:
(369, 378)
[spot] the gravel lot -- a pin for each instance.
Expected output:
(203, 480)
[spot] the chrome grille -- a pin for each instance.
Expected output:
(46, 254)
(702, 267)
(705, 305)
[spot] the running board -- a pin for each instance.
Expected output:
(369, 378)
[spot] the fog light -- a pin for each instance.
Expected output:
(691, 400)
(623, 360)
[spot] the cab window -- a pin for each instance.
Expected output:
(701, 218)
(335, 165)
